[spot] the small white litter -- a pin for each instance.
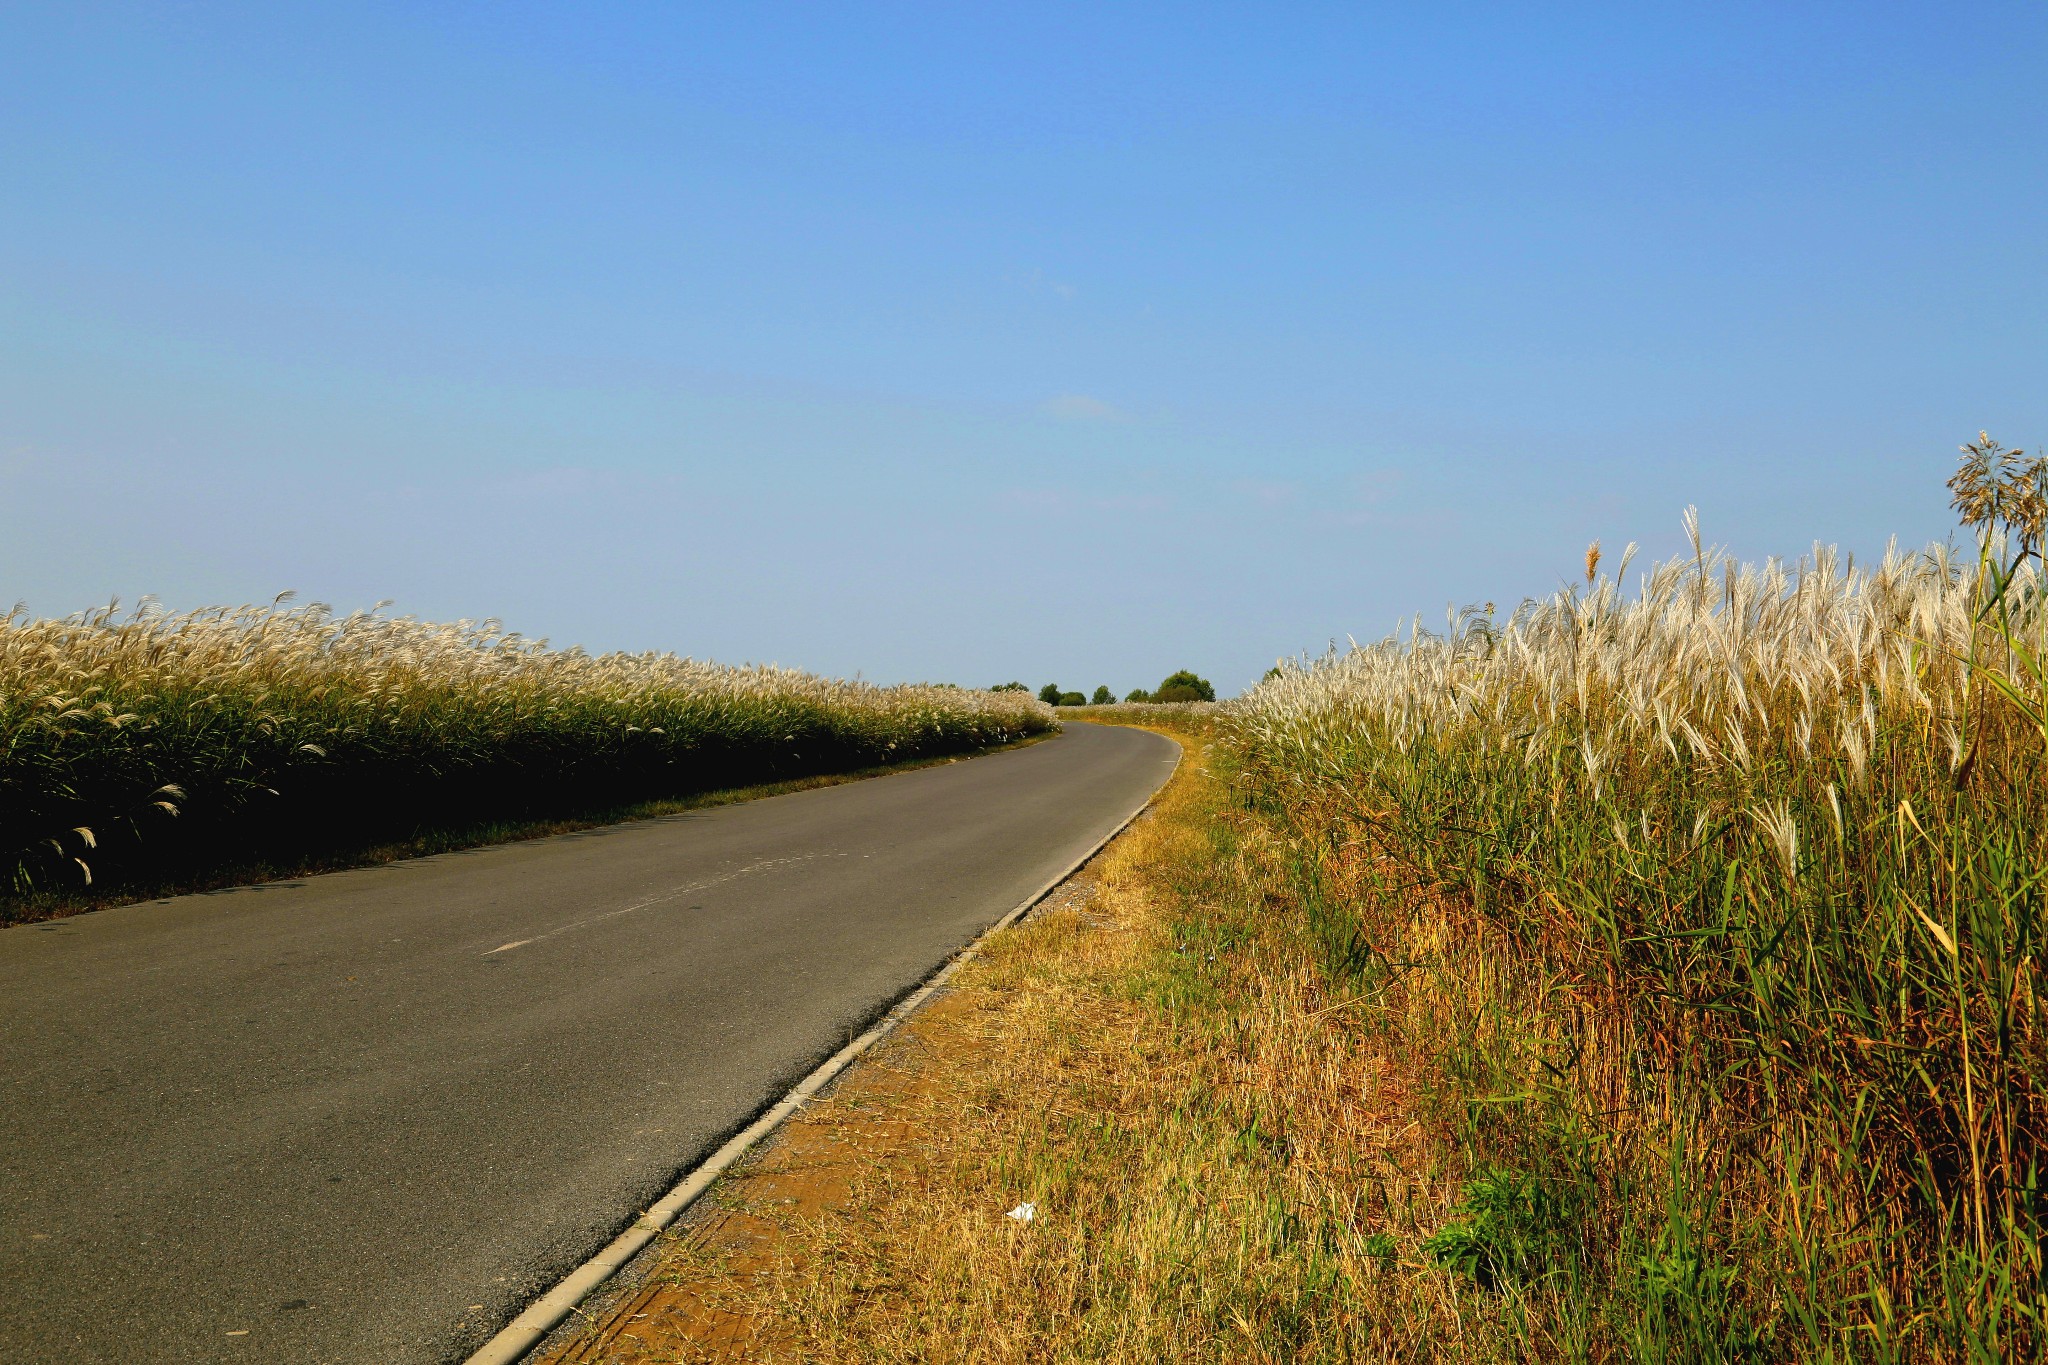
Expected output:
(1023, 1213)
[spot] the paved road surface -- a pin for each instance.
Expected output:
(365, 1116)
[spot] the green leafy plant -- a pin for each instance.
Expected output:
(1510, 1227)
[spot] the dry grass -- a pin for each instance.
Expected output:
(153, 745)
(1181, 717)
(1229, 1160)
(1642, 978)
(1778, 836)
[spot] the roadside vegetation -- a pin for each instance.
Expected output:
(1178, 688)
(144, 746)
(1647, 976)
(1756, 865)
(1177, 716)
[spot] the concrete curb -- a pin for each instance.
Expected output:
(540, 1317)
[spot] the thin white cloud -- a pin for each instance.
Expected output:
(1269, 493)
(1069, 501)
(1079, 407)
(1037, 281)
(558, 481)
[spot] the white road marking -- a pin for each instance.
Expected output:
(766, 864)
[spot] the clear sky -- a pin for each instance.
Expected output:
(972, 342)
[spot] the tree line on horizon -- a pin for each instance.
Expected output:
(1181, 685)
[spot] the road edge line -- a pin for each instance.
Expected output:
(537, 1319)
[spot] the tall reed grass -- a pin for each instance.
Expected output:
(1184, 717)
(1779, 835)
(136, 742)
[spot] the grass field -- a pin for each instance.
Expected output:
(143, 746)
(1643, 977)
(1179, 717)
(1648, 975)
(1760, 856)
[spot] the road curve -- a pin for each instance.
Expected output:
(363, 1117)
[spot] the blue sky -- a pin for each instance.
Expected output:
(978, 342)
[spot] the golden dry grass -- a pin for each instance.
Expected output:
(1228, 1161)
(131, 744)
(1644, 979)
(1777, 834)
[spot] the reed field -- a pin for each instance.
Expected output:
(1761, 853)
(1648, 976)
(143, 742)
(1182, 717)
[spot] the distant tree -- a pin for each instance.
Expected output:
(1071, 699)
(1271, 673)
(1138, 694)
(1010, 687)
(1184, 686)
(1103, 697)
(1050, 694)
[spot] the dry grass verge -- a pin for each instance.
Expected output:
(1230, 1155)
(1646, 976)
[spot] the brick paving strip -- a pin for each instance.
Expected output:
(669, 1305)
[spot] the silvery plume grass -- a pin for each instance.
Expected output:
(1180, 717)
(1778, 834)
(136, 739)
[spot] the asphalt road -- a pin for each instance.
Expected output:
(364, 1117)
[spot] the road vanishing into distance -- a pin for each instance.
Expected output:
(364, 1117)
